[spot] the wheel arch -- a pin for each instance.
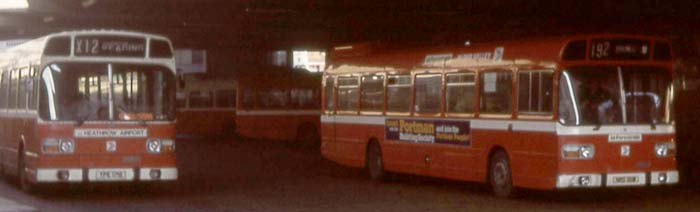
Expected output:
(369, 141)
(491, 152)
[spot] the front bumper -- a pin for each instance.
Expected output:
(627, 179)
(77, 175)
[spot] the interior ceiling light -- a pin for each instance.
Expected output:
(13, 4)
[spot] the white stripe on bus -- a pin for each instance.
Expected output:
(614, 129)
(276, 112)
(516, 125)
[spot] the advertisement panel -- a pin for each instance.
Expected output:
(429, 131)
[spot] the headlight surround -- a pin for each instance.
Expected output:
(665, 149)
(160, 145)
(578, 151)
(153, 145)
(58, 146)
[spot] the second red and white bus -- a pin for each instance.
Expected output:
(585, 111)
(280, 104)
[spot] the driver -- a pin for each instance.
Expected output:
(79, 107)
(599, 100)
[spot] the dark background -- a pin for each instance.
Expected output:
(237, 33)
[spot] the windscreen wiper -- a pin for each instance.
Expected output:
(597, 126)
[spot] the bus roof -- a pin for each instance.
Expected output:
(545, 51)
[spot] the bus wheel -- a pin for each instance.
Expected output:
(307, 136)
(23, 179)
(375, 163)
(500, 175)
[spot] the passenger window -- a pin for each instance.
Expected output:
(4, 86)
(428, 89)
(330, 84)
(460, 93)
(14, 80)
(274, 98)
(535, 92)
(347, 93)
(247, 99)
(22, 97)
(496, 91)
(304, 98)
(33, 87)
(398, 98)
(201, 99)
(226, 98)
(372, 93)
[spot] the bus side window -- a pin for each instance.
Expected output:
(22, 88)
(226, 98)
(33, 87)
(303, 98)
(535, 92)
(428, 88)
(273, 98)
(348, 95)
(459, 96)
(330, 102)
(372, 93)
(496, 91)
(14, 80)
(201, 99)
(247, 98)
(4, 86)
(398, 98)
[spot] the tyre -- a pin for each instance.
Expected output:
(375, 163)
(500, 177)
(24, 183)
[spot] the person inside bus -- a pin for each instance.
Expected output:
(597, 102)
(79, 107)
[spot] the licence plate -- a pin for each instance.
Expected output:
(111, 174)
(629, 179)
(625, 179)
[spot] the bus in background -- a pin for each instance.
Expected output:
(687, 114)
(586, 111)
(206, 107)
(279, 104)
(88, 106)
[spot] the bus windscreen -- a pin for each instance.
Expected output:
(100, 91)
(613, 95)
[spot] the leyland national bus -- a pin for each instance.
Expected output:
(569, 112)
(279, 104)
(206, 106)
(88, 106)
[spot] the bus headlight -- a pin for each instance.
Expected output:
(58, 146)
(578, 151)
(665, 149)
(160, 145)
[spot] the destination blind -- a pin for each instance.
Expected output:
(110, 45)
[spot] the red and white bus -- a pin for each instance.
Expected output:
(585, 111)
(88, 106)
(279, 104)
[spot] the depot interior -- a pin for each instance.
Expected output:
(229, 37)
